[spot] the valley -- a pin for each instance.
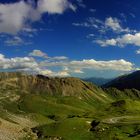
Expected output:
(35, 107)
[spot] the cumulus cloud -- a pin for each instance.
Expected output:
(54, 6)
(1, 56)
(72, 70)
(27, 64)
(115, 65)
(64, 68)
(54, 74)
(38, 53)
(78, 71)
(118, 65)
(138, 51)
(114, 24)
(62, 74)
(109, 42)
(127, 39)
(13, 17)
(16, 16)
(17, 63)
(109, 23)
(121, 36)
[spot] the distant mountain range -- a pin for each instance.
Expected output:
(97, 80)
(128, 81)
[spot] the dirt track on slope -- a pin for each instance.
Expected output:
(123, 120)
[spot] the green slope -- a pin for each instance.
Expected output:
(38, 107)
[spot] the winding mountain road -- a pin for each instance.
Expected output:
(123, 120)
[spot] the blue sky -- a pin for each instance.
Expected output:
(82, 38)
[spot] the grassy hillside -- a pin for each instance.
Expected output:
(38, 107)
(115, 93)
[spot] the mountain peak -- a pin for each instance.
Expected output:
(128, 81)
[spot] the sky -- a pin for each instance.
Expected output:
(78, 38)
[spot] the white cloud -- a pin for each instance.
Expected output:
(54, 6)
(118, 65)
(14, 41)
(78, 71)
(63, 74)
(2, 57)
(17, 16)
(65, 68)
(127, 39)
(114, 24)
(14, 16)
(72, 70)
(59, 58)
(46, 72)
(115, 65)
(27, 64)
(138, 51)
(56, 74)
(17, 63)
(38, 53)
(104, 26)
(110, 42)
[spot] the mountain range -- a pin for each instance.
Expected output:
(97, 80)
(128, 81)
(36, 107)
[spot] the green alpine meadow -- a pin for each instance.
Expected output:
(36, 107)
